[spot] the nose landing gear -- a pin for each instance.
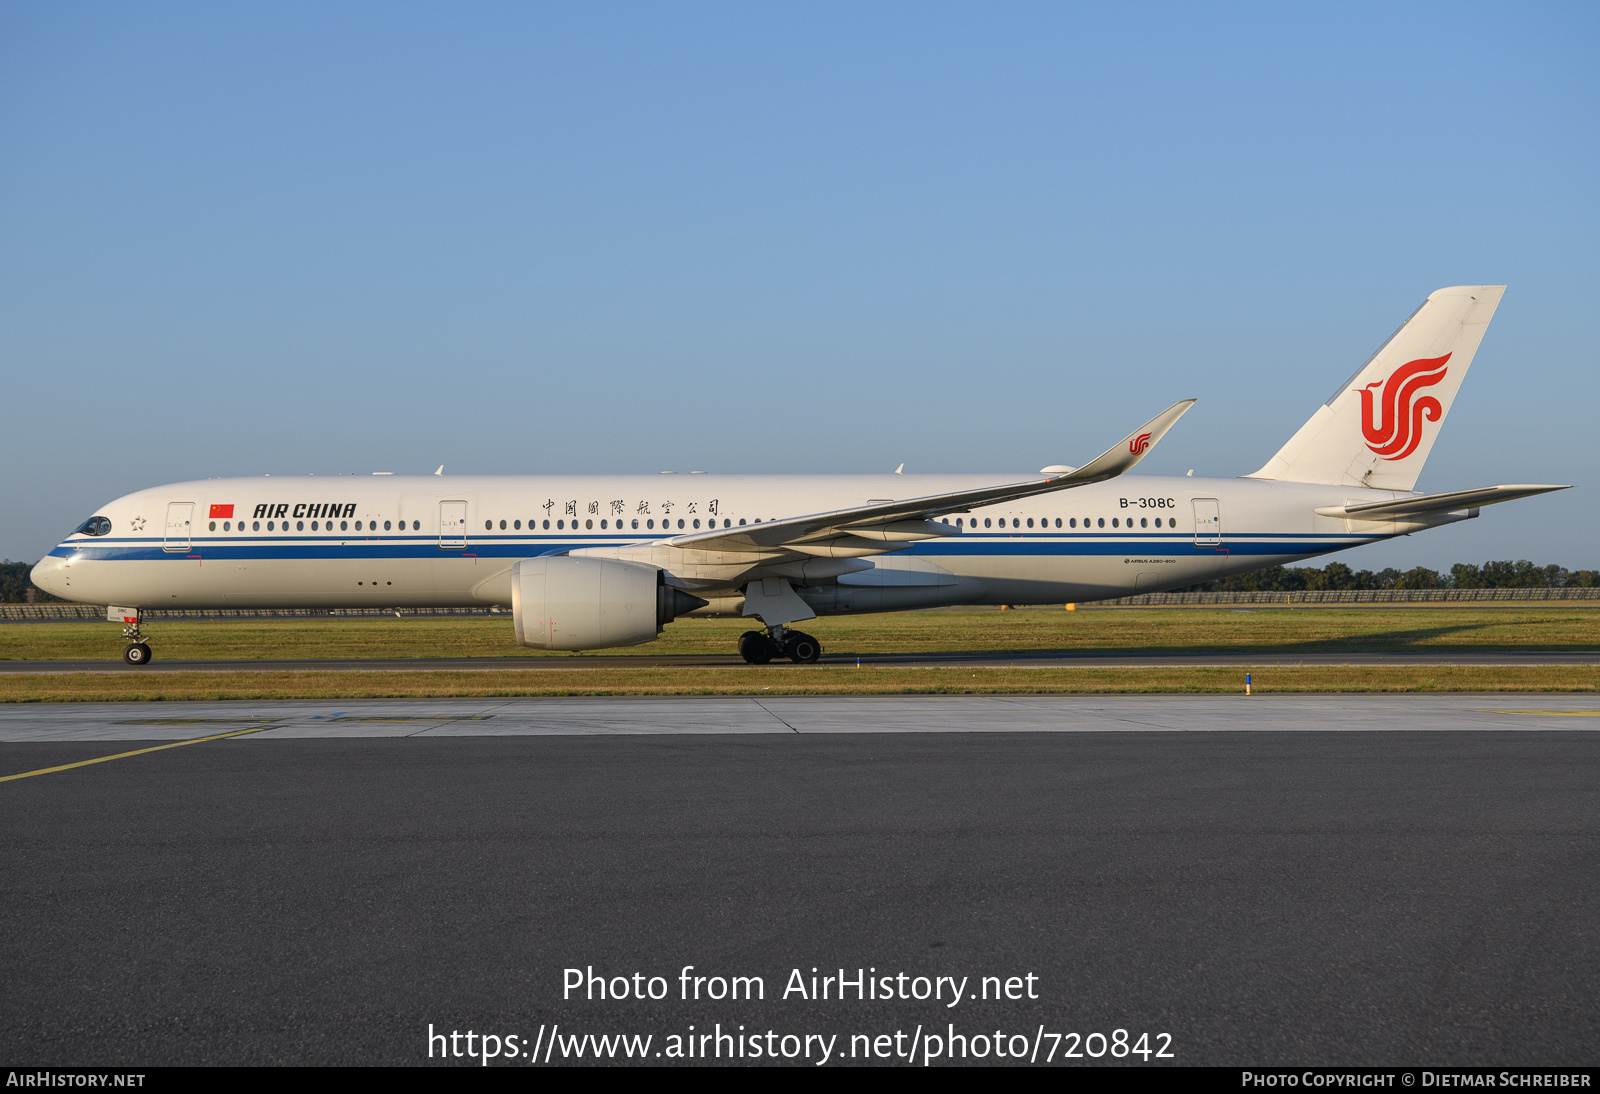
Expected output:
(137, 651)
(759, 648)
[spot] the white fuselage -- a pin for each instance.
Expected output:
(430, 541)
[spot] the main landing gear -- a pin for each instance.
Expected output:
(137, 651)
(760, 647)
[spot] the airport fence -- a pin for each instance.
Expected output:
(44, 613)
(1358, 596)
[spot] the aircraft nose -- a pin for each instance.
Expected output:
(50, 575)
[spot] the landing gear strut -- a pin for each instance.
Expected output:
(758, 647)
(137, 651)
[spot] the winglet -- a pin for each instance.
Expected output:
(1127, 452)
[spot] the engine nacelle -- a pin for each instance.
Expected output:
(566, 603)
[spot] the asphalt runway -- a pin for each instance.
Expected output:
(984, 658)
(1353, 879)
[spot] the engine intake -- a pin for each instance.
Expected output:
(566, 603)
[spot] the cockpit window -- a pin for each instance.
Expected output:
(95, 526)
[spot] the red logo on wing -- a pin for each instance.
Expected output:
(221, 511)
(1139, 443)
(1396, 434)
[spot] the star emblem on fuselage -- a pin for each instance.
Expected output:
(138, 524)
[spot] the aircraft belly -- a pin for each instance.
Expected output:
(286, 583)
(1048, 577)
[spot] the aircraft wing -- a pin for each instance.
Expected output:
(911, 519)
(1400, 508)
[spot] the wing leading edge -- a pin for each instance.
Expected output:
(913, 518)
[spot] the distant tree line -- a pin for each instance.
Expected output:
(1521, 574)
(15, 588)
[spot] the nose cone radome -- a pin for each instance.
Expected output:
(50, 575)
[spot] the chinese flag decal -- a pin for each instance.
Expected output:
(223, 511)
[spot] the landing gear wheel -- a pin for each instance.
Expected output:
(137, 654)
(755, 647)
(803, 649)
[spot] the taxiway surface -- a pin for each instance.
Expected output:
(1347, 879)
(278, 719)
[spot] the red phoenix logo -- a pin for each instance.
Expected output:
(1397, 433)
(1139, 443)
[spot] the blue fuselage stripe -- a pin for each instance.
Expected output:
(396, 547)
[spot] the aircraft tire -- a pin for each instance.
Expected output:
(804, 649)
(137, 654)
(755, 648)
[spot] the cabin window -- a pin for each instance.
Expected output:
(1073, 523)
(1143, 523)
(344, 526)
(546, 526)
(1030, 522)
(587, 524)
(256, 526)
(313, 526)
(227, 526)
(741, 522)
(697, 522)
(560, 524)
(636, 522)
(1102, 522)
(502, 526)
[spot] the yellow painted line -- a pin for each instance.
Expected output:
(1549, 713)
(135, 752)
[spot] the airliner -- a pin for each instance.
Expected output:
(599, 561)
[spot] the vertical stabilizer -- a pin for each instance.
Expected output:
(1378, 428)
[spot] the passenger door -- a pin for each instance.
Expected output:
(452, 525)
(1207, 522)
(180, 517)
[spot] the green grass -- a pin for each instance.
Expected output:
(786, 680)
(1274, 635)
(1278, 632)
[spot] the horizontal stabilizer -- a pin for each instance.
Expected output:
(1422, 504)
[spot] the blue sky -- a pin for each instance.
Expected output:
(241, 239)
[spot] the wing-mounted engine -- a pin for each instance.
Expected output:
(566, 603)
